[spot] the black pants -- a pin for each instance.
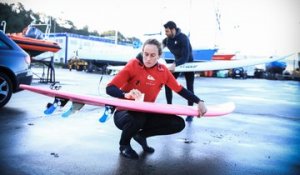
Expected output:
(189, 78)
(146, 124)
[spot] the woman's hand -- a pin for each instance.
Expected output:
(201, 109)
(172, 67)
(134, 94)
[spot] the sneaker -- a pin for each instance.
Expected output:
(128, 152)
(143, 142)
(189, 118)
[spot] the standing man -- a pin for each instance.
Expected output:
(179, 45)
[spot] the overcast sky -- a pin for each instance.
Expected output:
(261, 27)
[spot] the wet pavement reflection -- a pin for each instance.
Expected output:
(260, 137)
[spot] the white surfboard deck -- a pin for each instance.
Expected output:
(216, 65)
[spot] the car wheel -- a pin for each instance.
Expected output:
(5, 89)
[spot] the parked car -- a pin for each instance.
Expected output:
(14, 68)
(239, 73)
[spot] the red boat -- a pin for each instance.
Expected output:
(34, 46)
(223, 56)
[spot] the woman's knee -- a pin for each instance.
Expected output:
(128, 119)
(121, 119)
(179, 124)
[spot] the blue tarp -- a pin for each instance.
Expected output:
(276, 64)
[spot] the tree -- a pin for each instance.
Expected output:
(18, 18)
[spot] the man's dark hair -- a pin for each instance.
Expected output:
(170, 25)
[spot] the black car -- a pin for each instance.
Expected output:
(14, 68)
(239, 73)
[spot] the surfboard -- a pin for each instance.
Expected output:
(61, 97)
(215, 65)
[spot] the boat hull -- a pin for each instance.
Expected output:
(33, 46)
(223, 56)
(198, 54)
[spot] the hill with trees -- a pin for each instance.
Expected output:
(17, 18)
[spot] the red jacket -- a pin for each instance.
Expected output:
(147, 80)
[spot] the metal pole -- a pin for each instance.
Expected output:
(3, 23)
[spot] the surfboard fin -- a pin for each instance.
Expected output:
(108, 112)
(55, 86)
(51, 107)
(73, 109)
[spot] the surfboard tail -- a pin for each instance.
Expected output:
(220, 110)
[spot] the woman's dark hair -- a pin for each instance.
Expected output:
(154, 42)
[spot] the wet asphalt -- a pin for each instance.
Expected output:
(260, 137)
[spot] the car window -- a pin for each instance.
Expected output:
(3, 46)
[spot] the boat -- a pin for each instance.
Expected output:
(223, 56)
(198, 54)
(33, 41)
(34, 46)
